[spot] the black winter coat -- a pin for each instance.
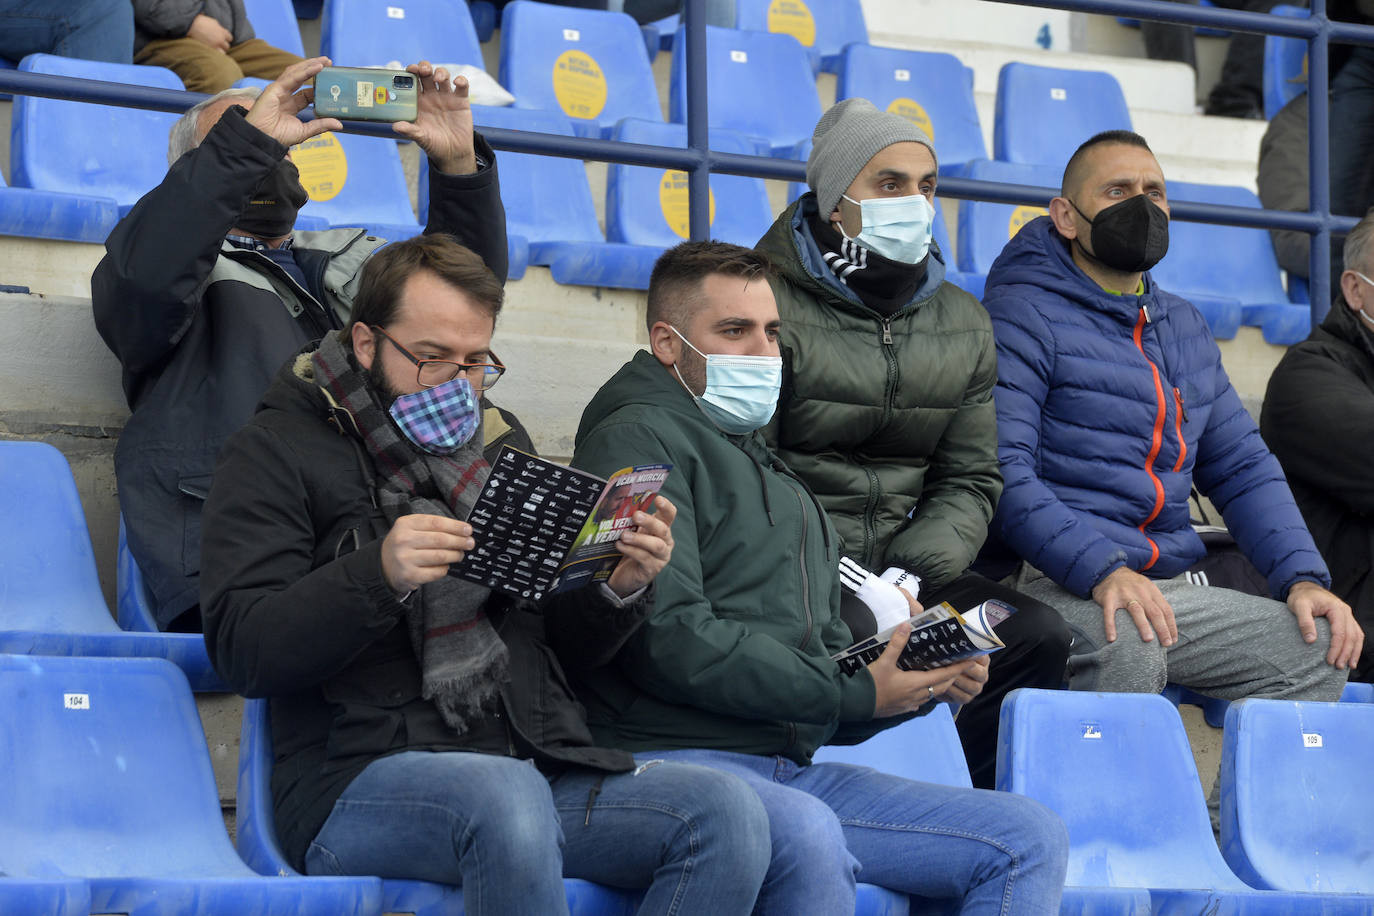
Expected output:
(296, 609)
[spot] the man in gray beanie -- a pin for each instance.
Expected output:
(886, 408)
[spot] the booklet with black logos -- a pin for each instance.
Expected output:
(541, 527)
(872, 608)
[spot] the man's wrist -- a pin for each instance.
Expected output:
(470, 164)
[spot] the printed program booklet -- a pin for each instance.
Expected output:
(542, 527)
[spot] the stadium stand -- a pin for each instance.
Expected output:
(1213, 709)
(759, 83)
(1358, 693)
(1212, 265)
(1134, 805)
(1285, 64)
(824, 27)
(51, 146)
(50, 598)
(648, 206)
(932, 90)
(985, 228)
(134, 608)
(1296, 813)
(372, 33)
(54, 215)
(585, 63)
(107, 778)
(1043, 113)
(925, 748)
(274, 21)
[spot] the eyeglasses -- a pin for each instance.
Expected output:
(433, 372)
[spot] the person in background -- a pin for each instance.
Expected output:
(210, 44)
(89, 29)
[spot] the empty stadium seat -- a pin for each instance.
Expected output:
(35, 214)
(1211, 263)
(648, 206)
(549, 202)
(108, 778)
(372, 33)
(585, 63)
(79, 147)
(1044, 113)
(926, 748)
(824, 27)
(1296, 812)
(1285, 71)
(1118, 769)
(985, 228)
(50, 598)
(257, 840)
(274, 21)
(1356, 692)
(759, 83)
(932, 90)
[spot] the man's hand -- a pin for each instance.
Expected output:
(209, 32)
(969, 683)
(275, 111)
(646, 548)
(1308, 600)
(420, 548)
(443, 123)
(1127, 589)
(899, 691)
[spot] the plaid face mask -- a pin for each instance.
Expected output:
(439, 420)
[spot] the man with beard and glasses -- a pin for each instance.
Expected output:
(204, 290)
(1112, 404)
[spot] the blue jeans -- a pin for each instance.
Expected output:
(833, 824)
(695, 837)
(89, 29)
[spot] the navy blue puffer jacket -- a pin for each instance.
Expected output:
(1109, 409)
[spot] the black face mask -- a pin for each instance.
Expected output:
(1129, 236)
(271, 212)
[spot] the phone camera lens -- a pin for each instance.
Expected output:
(404, 82)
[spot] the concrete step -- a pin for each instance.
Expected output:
(1020, 27)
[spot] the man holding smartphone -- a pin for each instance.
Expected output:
(205, 290)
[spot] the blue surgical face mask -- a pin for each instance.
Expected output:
(438, 420)
(898, 228)
(741, 391)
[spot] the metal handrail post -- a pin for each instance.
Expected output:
(1319, 162)
(698, 131)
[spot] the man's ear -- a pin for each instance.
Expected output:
(364, 344)
(1351, 289)
(663, 343)
(1062, 214)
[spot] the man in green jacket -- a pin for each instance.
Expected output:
(733, 668)
(886, 408)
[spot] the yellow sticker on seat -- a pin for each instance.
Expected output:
(579, 85)
(913, 112)
(322, 164)
(792, 17)
(672, 198)
(1022, 215)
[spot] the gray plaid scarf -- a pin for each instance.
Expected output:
(463, 661)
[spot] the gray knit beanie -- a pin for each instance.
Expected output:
(847, 136)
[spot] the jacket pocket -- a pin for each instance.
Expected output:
(194, 489)
(368, 701)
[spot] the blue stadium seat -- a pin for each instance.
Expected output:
(658, 35)
(108, 778)
(483, 18)
(1206, 263)
(985, 228)
(134, 608)
(1118, 769)
(549, 202)
(43, 896)
(759, 83)
(274, 21)
(29, 213)
(1213, 709)
(1285, 64)
(926, 749)
(648, 206)
(517, 246)
(1296, 812)
(50, 598)
(78, 147)
(824, 27)
(585, 63)
(934, 91)
(971, 283)
(1356, 692)
(1044, 113)
(257, 840)
(371, 33)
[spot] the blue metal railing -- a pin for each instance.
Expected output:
(699, 161)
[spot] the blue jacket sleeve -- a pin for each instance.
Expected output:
(1030, 518)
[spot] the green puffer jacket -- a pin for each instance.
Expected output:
(889, 420)
(736, 653)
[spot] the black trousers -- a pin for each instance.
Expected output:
(1037, 641)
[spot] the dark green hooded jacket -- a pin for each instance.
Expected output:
(736, 654)
(889, 420)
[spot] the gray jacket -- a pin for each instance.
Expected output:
(154, 19)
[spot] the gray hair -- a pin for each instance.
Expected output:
(1357, 251)
(183, 137)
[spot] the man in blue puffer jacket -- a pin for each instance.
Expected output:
(1111, 404)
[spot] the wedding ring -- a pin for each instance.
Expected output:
(931, 691)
